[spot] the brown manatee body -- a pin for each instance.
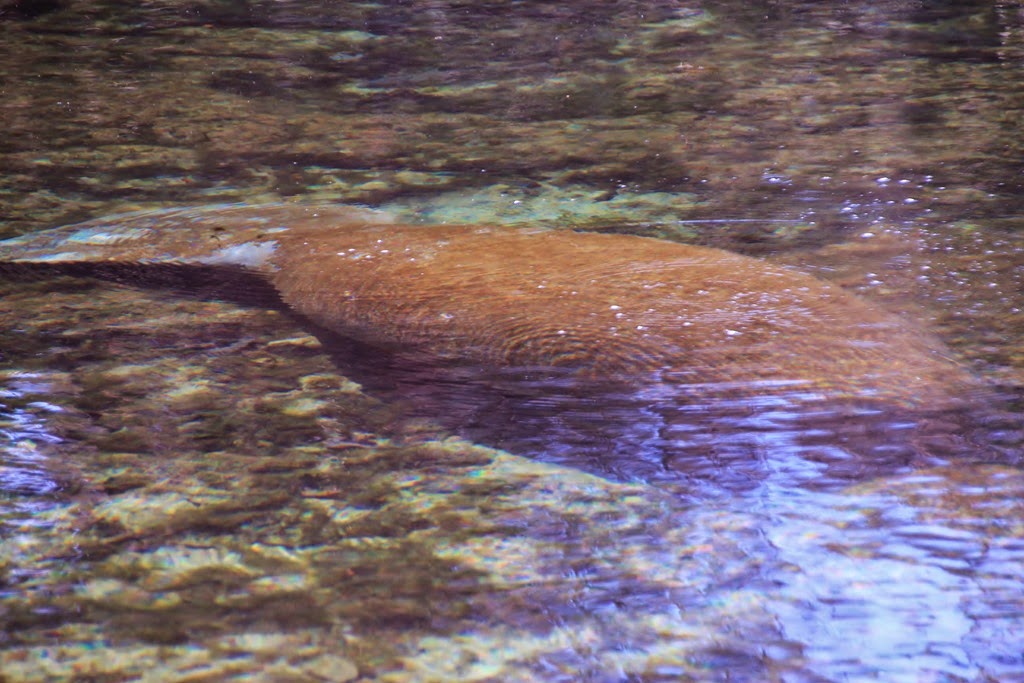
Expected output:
(605, 306)
(667, 323)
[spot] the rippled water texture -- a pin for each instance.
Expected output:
(198, 487)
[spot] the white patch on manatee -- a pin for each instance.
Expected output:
(249, 254)
(61, 256)
(99, 237)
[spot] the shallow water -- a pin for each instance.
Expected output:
(195, 488)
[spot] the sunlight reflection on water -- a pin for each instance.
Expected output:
(23, 431)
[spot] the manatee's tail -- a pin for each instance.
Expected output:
(237, 235)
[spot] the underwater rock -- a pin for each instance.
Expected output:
(600, 331)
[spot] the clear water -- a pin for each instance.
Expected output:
(192, 489)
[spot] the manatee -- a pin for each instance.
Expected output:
(600, 326)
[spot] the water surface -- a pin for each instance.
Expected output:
(196, 488)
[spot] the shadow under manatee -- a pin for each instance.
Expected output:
(706, 439)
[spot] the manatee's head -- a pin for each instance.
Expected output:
(219, 234)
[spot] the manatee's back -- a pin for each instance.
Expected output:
(594, 306)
